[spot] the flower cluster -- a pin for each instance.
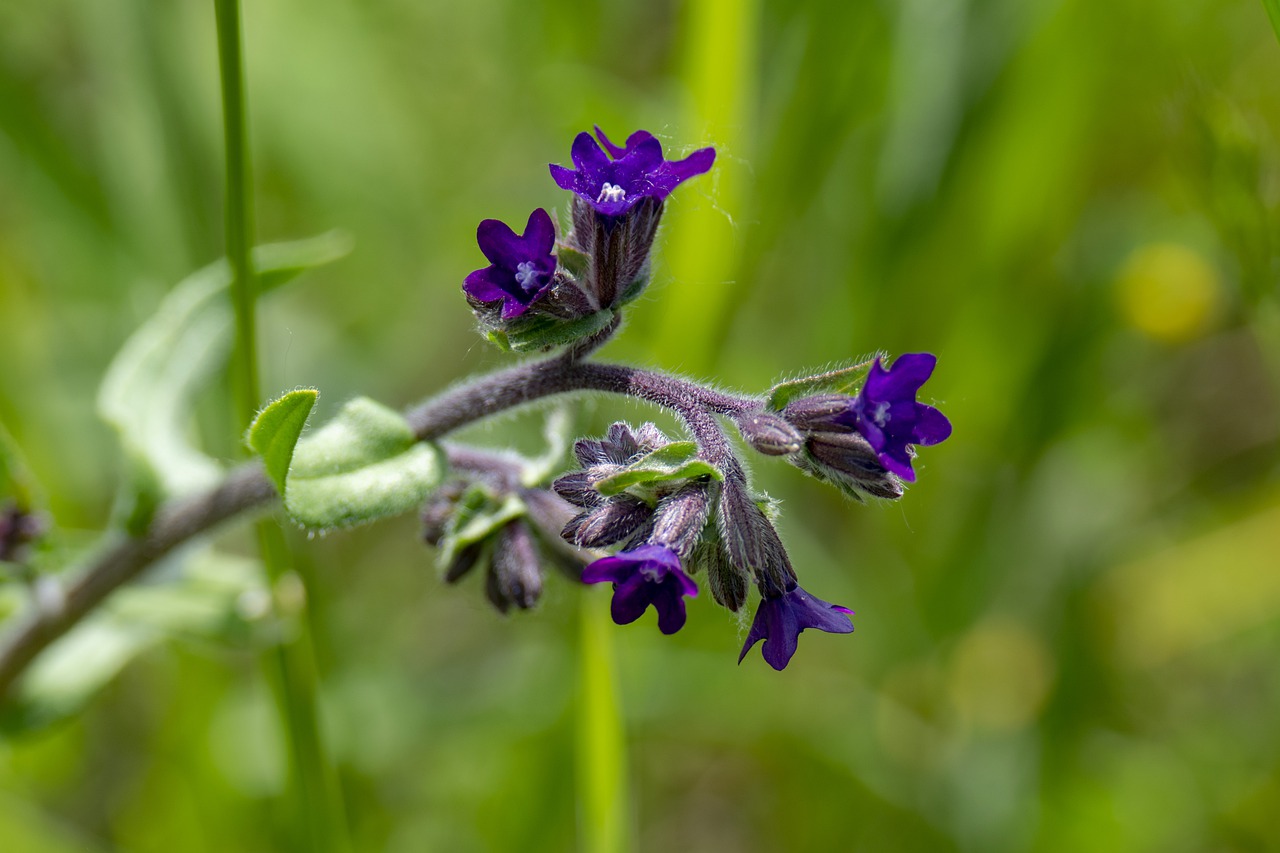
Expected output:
(535, 295)
(645, 512)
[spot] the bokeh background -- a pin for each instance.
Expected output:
(1067, 631)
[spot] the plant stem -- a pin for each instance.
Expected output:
(238, 212)
(318, 823)
(601, 751)
(120, 558)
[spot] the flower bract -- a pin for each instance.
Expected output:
(648, 575)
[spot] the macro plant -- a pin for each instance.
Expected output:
(648, 513)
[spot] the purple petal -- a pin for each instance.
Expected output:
(500, 244)
(587, 156)
(897, 460)
(614, 151)
(566, 179)
(779, 622)
(482, 285)
(539, 233)
(631, 598)
(903, 380)
(931, 426)
(668, 600)
(678, 171)
(611, 569)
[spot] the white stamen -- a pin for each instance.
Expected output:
(611, 192)
(881, 414)
(526, 276)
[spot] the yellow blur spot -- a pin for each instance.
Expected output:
(1169, 292)
(1000, 675)
(1195, 593)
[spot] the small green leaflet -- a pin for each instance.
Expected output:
(676, 461)
(479, 515)
(276, 429)
(542, 332)
(839, 380)
(363, 465)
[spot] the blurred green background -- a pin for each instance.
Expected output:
(1067, 631)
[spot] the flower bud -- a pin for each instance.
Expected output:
(848, 460)
(575, 487)
(750, 539)
(609, 524)
(463, 562)
(769, 434)
(818, 413)
(514, 575)
(728, 583)
(680, 518)
(18, 528)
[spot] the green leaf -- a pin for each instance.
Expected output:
(844, 379)
(149, 388)
(542, 332)
(363, 465)
(478, 516)
(676, 461)
(276, 429)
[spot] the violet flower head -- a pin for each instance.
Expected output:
(888, 416)
(521, 268)
(614, 183)
(650, 574)
(779, 621)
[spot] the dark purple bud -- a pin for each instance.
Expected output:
(565, 299)
(848, 459)
(515, 578)
(750, 539)
(607, 525)
(650, 438)
(575, 487)
(648, 575)
(818, 413)
(780, 620)
(769, 434)
(728, 583)
(680, 517)
(888, 416)
(463, 562)
(521, 268)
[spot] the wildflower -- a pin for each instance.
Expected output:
(780, 619)
(888, 416)
(649, 575)
(614, 183)
(521, 268)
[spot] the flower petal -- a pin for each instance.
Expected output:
(500, 244)
(931, 427)
(903, 380)
(631, 598)
(668, 600)
(483, 285)
(539, 234)
(611, 569)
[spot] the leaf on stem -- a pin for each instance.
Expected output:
(676, 461)
(276, 429)
(363, 465)
(838, 380)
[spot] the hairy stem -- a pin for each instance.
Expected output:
(246, 489)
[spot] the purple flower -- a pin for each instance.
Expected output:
(636, 171)
(888, 416)
(521, 268)
(650, 574)
(780, 620)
